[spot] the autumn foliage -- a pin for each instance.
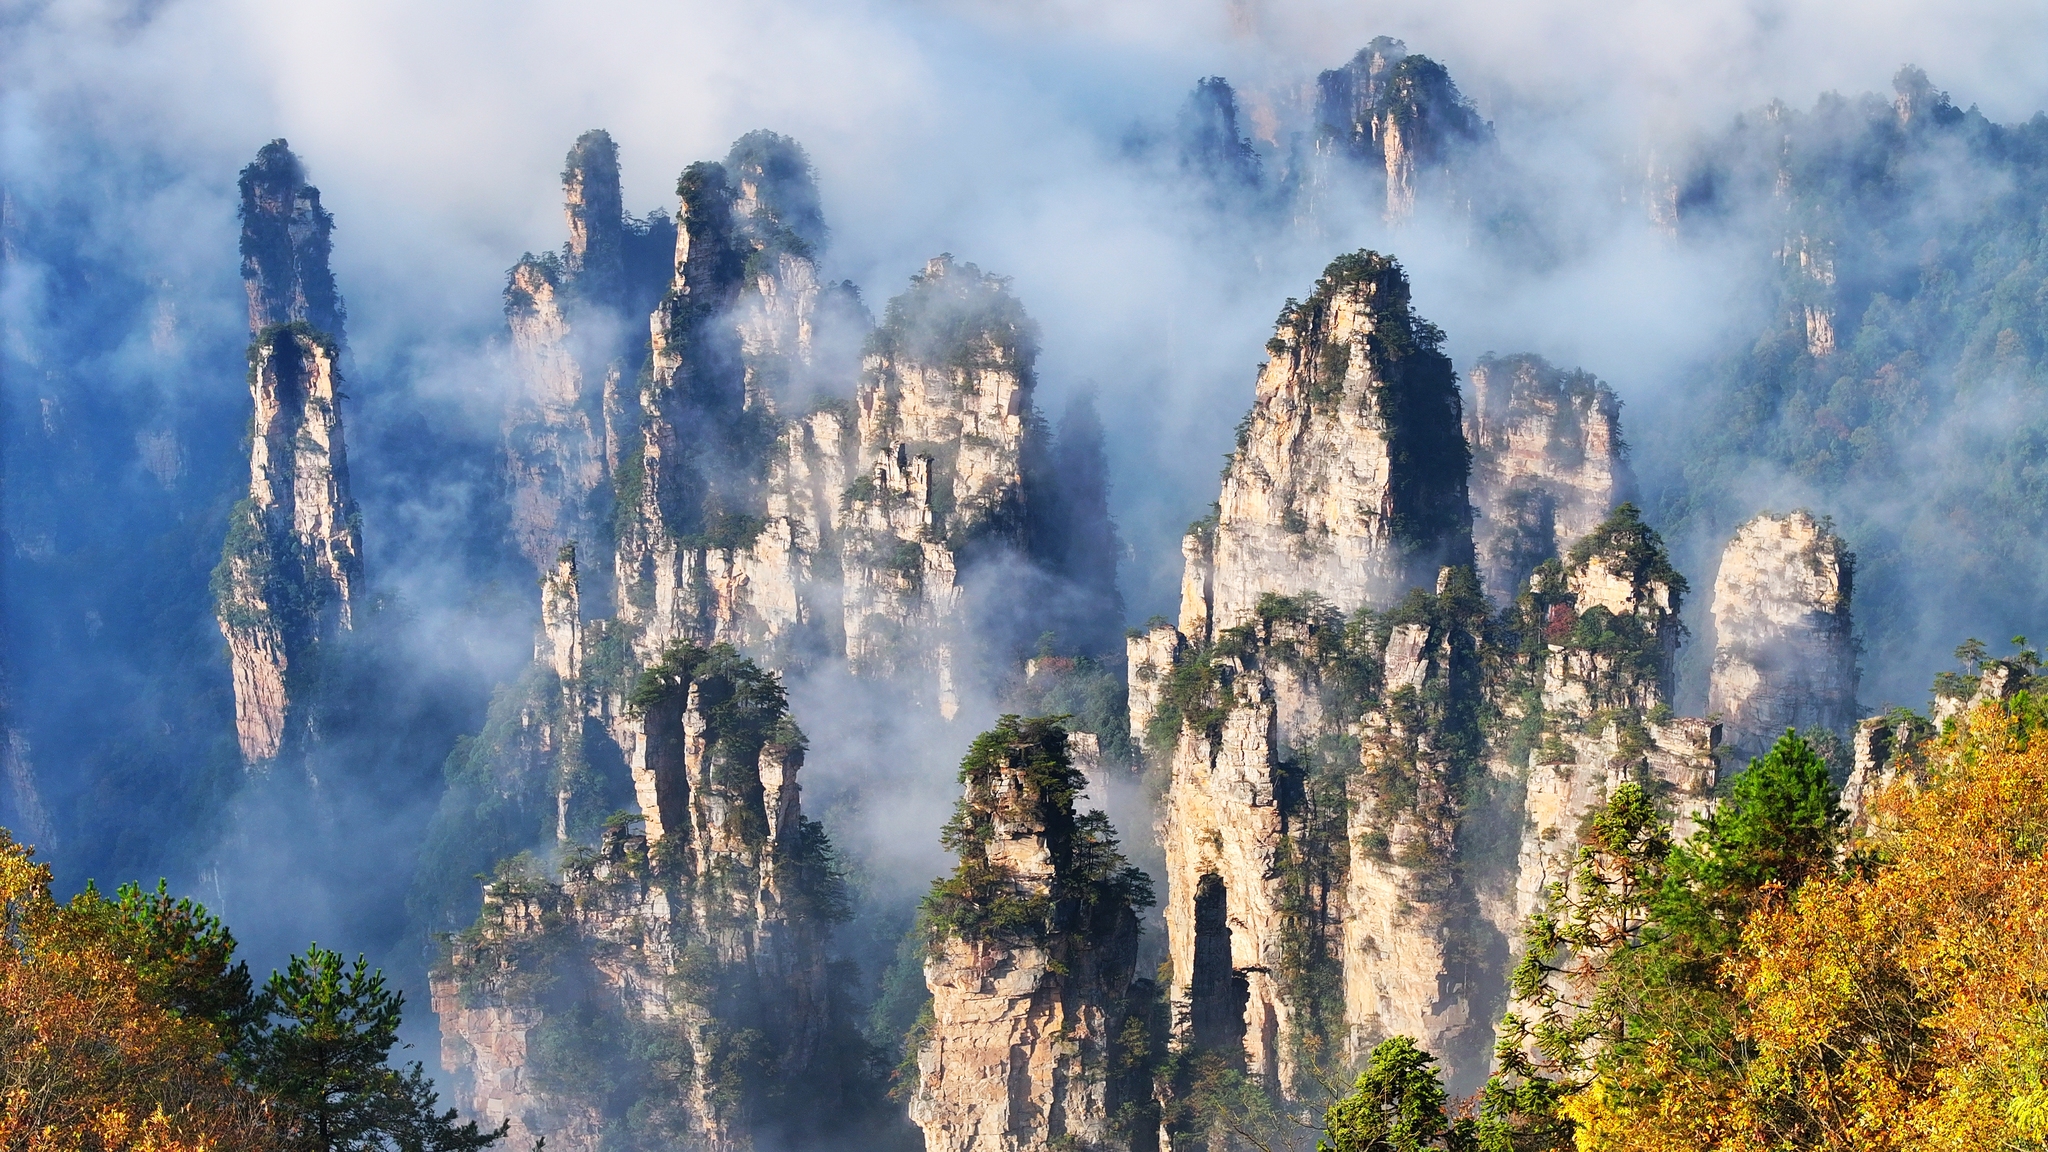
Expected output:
(91, 1056)
(1898, 1000)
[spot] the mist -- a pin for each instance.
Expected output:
(1034, 139)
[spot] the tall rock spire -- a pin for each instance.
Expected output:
(1033, 942)
(292, 567)
(1784, 655)
(1548, 464)
(285, 245)
(1350, 473)
(574, 338)
(1390, 109)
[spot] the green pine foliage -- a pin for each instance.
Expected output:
(324, 1058)
(1093, 885)
(1633, 944)
(1397, 1105)
(962, 318)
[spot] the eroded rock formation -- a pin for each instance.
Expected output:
(292, 567)
(1373, 779)
(1401, 113)
(577, 324)
(1548, 464)
(1350, 472)
(1784, 654)
(1316, 706)
(699, 944)
(945, 416)
(1032, 947)
(1587, 706)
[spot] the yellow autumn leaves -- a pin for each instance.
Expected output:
(1900, 1003)
(87, 1062)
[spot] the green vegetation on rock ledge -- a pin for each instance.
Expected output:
(959, 317)
(1091, 883)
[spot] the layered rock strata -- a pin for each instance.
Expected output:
(1349, 476)
(730, 502)
(572, 326)
(1548, 464)
(292, 568)
(700, 942)
(1314, 706)
(1784, 653)
(945, 417)
(1030, 959)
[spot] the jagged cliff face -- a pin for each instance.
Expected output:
(1349, 478)
(944, 417)
(1029, 965)
(1315, 780)
(292, 566)
(1586, 706)
(1548, 464)
(699, 942)
(1368, 792)
(1784, 655)
(1402, 113)
(733, 495)
(573, 340)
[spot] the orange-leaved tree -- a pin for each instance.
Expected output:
(1901, 1003)
(92, 1058)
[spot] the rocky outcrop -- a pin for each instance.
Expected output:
(573, 337)
(945, 421)
(292, 568)
(1315, 707)
(1784, 654)
(698, 943)
(1548, 464)
(1351, 846)
(1401, 114)
(1033, 942)
(1886, 748)
(1349, 477)
(1584, 708)
(730, 500)
(1210, 147)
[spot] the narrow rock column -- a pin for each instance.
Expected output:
(291, 568)
(1784, 655)
(1033, 941)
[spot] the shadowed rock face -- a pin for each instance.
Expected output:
(1401, 112)
(292, 566)
(1548, 464)
(1784, 655)
(577, 325)
(1314, 706)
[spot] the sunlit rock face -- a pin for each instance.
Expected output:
(1588, 707)
(1349, 477)
(1548, 463)
(731, 491)
(1374, 776)
(1784, 653)
(292, 567)
(1021, 1053)
(945, 418)
(1314, 705)
(644, 992)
